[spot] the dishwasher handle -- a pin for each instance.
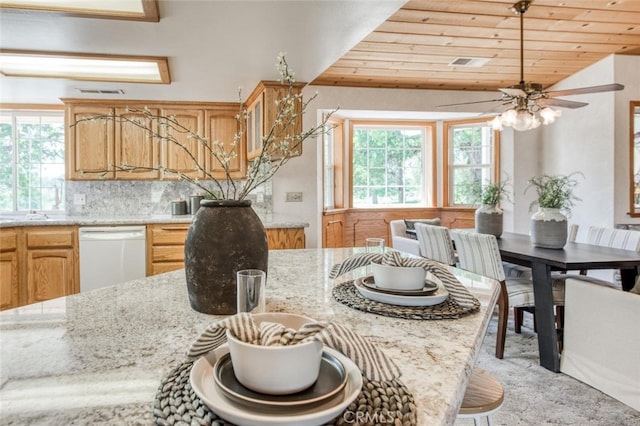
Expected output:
(111, 234)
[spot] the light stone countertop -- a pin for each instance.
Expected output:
(99, 357)
(270, 220)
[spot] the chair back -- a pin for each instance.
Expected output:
(625, 239)
(435, 243)
(479, 253)
(398, 228)
(573, 232)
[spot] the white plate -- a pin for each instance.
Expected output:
(392, 299)
(204, 386)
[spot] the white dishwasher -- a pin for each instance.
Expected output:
(111, 255)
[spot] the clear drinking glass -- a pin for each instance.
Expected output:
(251, 291)
(374, 245)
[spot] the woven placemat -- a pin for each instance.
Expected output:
(379, 403)
(347, 294)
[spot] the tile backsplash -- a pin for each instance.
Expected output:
(130, 198)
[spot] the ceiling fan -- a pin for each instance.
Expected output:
(529, 105)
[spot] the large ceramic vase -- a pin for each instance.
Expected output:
(548, 228)
(488, 220)
(224, 237)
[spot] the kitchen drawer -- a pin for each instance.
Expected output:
(161, 235)
(160, 268)
(8, 239)
(49, 237)
(167, 254)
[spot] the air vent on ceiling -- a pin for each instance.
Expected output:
(101, 91)
(469, 62)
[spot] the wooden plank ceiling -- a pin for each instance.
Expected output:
(414, 47)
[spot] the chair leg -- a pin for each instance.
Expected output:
(560, 325)
(503, 313)
(518, 315)
(560, 317)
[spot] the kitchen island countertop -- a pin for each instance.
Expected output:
(98, 357)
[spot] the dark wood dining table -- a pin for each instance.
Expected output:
(518, 249)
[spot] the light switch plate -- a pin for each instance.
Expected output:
(295, 197)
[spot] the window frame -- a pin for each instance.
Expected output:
(336, 128)
(430, 191)
(448, 168)
(33, 110)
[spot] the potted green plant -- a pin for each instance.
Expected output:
(488, 217)
(555, 198)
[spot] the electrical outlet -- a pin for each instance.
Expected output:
(260, 198)
(79, 199)
(295, 197)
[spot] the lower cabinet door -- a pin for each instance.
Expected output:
(50, 274)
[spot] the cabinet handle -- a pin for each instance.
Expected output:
(174, 228)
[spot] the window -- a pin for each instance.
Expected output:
(333, 160)
(31, 161)
(471, 150)
(389, 163)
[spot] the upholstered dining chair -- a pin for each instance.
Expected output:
(479, 253)
(625, 239)
(435, 243)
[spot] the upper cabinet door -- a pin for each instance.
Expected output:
(222, 126)
(89, 144)
(176, 158)
(262, 114)
(255, 120)
(136, 147)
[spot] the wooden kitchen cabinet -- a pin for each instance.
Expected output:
(9, 284)
(165, 247)
(165, 244)
(90, 145)
(286, 238)
(262, 112)
(94, 147)
(173, 156)
(51, 267)
(221, 125)
(37, 264)
(136, 146)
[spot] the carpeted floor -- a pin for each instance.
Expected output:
(536, 396)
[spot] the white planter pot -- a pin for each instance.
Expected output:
(548, 228)
(489, 220)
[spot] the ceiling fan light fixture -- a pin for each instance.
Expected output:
(549, 115)
(524, 120)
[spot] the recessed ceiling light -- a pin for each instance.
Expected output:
(143, 10)
(84, 66)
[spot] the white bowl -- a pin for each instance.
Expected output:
(398, 277)
(276, 370)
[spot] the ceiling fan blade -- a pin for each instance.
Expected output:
(469, 103)
(561, 103)
(516, 93)
(585, 90)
